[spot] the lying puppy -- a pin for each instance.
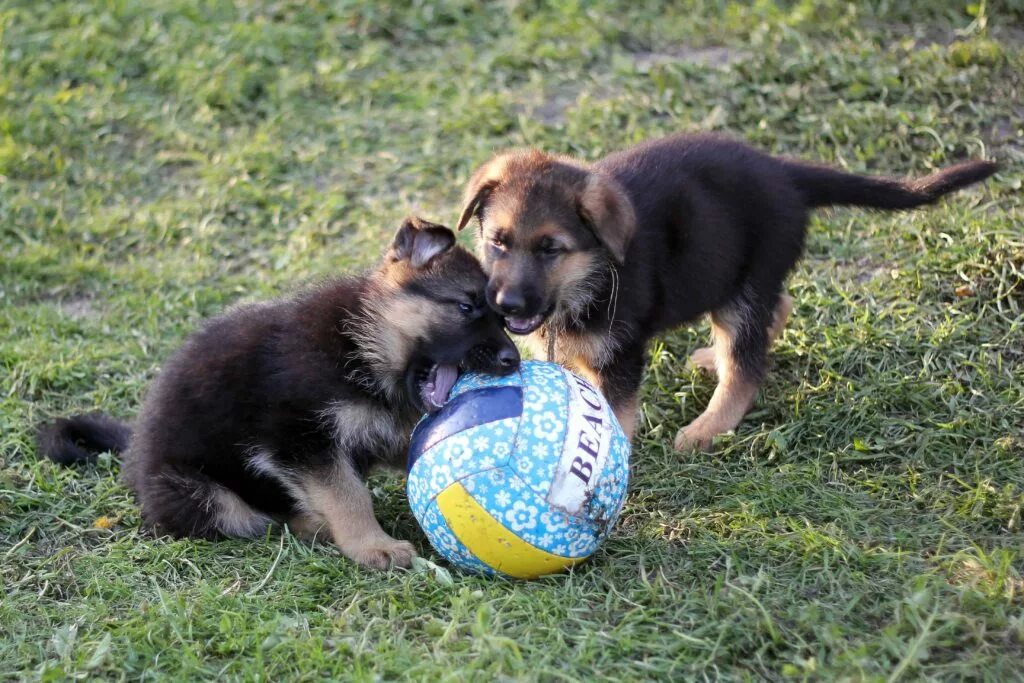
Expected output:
(592, 261)
(276, 411)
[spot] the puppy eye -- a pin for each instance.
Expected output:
(466, 309)
(498, 243)
(551, 248)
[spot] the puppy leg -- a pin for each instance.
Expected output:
(626, 413)
(341, 498)
(619, 381)
(624, 405)
(779, 317)
(308, 526)
(741, 344)
(704, 358)
(185, 502)
(237, 518)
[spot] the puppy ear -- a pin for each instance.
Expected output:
(606, 209)
(480, 186)
(421, 241)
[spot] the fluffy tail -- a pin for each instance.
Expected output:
(70, 440)
(822, 186)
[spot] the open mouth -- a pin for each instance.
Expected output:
(437, 383)
(524, 325)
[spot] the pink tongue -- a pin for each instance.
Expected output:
(522, 323)
(444, 380)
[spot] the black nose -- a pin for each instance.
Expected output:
(509, 302)
(508, 358)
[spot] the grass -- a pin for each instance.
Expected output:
(161, 161)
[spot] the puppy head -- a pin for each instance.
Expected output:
(549, 226)
(432, 319)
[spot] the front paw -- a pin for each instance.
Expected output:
(693, 437)
(704, 359)
(384, 553)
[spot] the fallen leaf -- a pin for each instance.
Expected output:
(104, 522)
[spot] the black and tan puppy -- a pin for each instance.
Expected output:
(592, 260)
(275, 412)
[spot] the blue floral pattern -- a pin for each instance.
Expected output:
(508, 467)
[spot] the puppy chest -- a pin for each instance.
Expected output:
(369, 430)
(591, 349)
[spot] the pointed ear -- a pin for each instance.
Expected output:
(421, 241)
(606, 209)
(480, 186)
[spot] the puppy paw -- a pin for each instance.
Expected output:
(384, 553)
(704, 359)
(308, 527)
(693, 437)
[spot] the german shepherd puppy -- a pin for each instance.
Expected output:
(592, 261)
(275, 412)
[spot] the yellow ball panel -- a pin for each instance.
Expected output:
(493, 543)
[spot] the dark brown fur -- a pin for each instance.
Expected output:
(606, 256)
(275, 412)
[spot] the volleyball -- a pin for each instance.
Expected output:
(522, 475)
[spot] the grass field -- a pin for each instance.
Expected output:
(160, 161)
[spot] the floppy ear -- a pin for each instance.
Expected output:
(421, 241)
(483, 182)
(606, 209)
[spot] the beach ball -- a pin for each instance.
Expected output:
(522, 475)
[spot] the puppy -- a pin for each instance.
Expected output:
(275, 412)
(591, 261)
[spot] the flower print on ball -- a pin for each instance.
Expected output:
(521, 516)
(523, 475)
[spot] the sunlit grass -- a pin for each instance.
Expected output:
(161, 161)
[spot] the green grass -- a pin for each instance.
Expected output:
(160, 161)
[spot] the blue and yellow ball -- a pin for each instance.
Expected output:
(521, 475)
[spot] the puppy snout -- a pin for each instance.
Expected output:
(495, 361)
(508, 301)
(508, 359)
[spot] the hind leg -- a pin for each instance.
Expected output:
(185, 502)
(780, 316)
(704, 358)
(741, 337)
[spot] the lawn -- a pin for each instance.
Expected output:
(160, 161)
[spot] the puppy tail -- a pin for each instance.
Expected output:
(80, 438)
(823, 186)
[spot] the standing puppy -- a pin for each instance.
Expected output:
(592, 261)
(275, 412)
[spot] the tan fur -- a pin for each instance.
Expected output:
(503, 215)
(342, 500)
(263, 462)
(367, 425)
(611, 213)
(583, 353)
(504, 169)
(705, 358)
(486, 177)
(309, 526)
(406, 317)
(572, 277)
(388, 332)
(235, 517)
(626, 414)
(781, 315)
(733, 396)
